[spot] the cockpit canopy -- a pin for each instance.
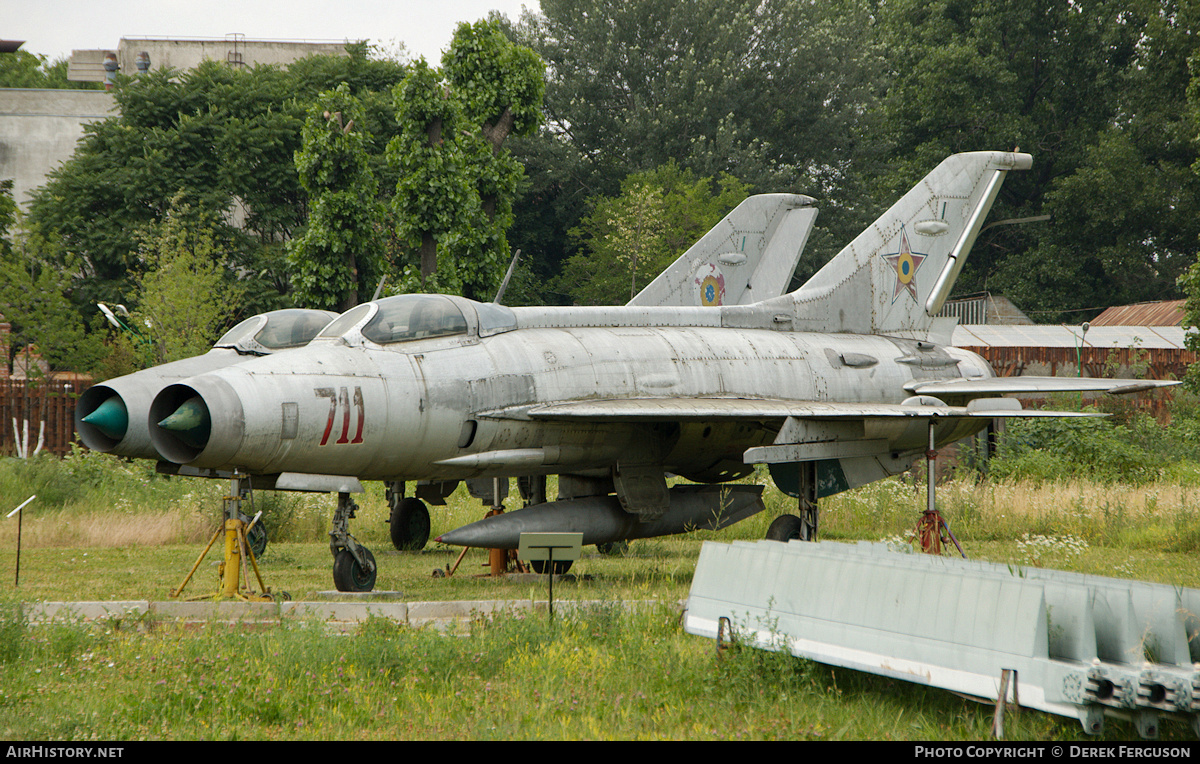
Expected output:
(414, 317)
(278, 330)
(409, 317)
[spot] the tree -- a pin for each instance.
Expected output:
(1189, 282)
(1131, 246)
(778, 93)
(336, 261)
(455, 184)
(1095, 91)
(8, 215)
(629, 239)
(186, 296)
(22, 69)
(34, 299)
(221, 139)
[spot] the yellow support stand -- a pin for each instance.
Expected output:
(233, 572)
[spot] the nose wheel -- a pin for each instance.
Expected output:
(350, 575)
(354, 567)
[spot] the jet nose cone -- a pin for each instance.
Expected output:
(190, 422)
(111, 418)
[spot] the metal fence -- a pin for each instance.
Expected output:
(37, 402)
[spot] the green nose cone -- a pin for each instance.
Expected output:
(190, 422)
(111, 418)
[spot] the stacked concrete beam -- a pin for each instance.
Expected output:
(1082, 646)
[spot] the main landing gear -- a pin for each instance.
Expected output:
(804, 527)
(408, 519)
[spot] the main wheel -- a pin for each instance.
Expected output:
(257, 539)
(409, 523)
(786, 528)
(560, 566)
(349, 576)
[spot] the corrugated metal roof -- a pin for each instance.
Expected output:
(998, 335)
(1164, 313)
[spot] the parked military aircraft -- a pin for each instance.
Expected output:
(833, 385)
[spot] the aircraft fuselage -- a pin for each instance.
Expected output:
(467, 406)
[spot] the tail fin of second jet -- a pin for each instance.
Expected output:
(895, 276)
(748, 257)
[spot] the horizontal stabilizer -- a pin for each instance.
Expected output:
(1014, 385)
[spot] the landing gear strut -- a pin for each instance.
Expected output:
(933, 532)
(804, 527)
(353, 564)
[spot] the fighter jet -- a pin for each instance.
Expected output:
(833, 385)
(762, 239)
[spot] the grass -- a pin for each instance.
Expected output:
(596, 675)
(123, 533)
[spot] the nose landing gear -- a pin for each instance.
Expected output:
(354, 566)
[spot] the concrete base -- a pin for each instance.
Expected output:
(346, 612)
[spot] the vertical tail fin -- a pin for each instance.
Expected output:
(894, 277)
(749, 256)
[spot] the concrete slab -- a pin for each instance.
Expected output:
(213, 610)
(86, 611)
(345, 611)
(464, 609)
(344, 615)
(379, 595)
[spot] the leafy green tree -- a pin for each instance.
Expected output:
(455, 186)
(221, 139)
(1189, 282)
(630, 238)
(34, 290)
(8, 215)
(778, 93)
(186, 295)
(337, 259)
(213, 137)
(1096, 92)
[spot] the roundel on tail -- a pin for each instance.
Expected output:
(710, 285)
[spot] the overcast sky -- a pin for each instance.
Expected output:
(56, 27)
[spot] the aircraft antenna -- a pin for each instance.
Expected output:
(379, 289)
(504, 284)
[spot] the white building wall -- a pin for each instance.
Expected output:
(39, 130)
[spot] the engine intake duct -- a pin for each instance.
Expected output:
(184, 428)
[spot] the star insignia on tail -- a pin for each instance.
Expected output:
(906, 262)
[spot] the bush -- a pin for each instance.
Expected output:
(1063, 449)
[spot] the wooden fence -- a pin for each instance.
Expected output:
(37, 401)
